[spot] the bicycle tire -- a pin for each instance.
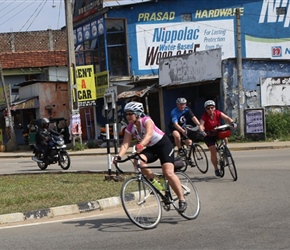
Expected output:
(184, 159)
(190, 194)
(230, 163)
(200, 158)
(141, 203)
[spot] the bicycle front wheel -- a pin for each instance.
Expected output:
(229, 162)
(200, 158)
(190, 194)
(141, 203)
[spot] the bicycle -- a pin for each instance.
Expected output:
(199, 156)
(142, 201)
(224, 154)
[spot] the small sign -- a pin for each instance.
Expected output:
(255, 124)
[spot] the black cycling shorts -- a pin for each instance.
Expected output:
(162, 150)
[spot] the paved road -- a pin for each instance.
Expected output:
(252, 213)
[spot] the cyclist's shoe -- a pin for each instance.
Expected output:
(217, 173)
(181, 152)
(182, 206)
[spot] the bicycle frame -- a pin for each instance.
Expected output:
(166, 199)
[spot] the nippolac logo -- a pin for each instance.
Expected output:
(276, 51)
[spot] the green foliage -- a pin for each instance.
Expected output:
(79, 146)
(278, 124)
(30, 192)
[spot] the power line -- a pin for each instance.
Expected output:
(31, 16)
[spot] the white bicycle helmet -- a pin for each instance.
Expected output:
(181, 100)
(134, 107)
(209, 103)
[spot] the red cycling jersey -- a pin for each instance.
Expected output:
(210, 124)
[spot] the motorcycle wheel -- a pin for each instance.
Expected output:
(64, 160)
(41, 165)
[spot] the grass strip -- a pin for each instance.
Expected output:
(29, 192)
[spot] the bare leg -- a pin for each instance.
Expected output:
(213, 156)
(174, 182)
(177, 138)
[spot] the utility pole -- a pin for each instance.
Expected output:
(11, 144)
(72, 84)
(241, 103)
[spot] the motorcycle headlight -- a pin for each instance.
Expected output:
(60, 142)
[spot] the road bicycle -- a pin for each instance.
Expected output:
(194, 155)
(143, 202)
(225, 158)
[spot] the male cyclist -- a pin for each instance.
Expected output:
(180, 116)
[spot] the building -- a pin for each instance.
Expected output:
(130, 38)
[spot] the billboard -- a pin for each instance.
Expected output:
(195, 67)
(275, 91)
(159, 40)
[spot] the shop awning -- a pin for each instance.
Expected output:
(27, 103)
(138, 91)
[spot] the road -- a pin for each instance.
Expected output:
(252, 213)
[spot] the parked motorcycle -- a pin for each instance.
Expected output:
(57, 154)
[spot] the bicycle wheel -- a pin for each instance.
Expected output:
(229, 162)
(200, 158)
(183, 157)
(190, 194)
(141, 203)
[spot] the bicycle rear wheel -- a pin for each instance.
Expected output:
(190, 194)
(141, 203)
(200, 158)
(229, 162)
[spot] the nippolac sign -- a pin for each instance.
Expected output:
(85, 78)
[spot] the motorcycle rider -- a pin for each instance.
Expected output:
(43, 136)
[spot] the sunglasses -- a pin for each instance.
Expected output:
(212, 107)
(129, 114)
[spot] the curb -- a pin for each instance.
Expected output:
(61, 210)
(92, 205)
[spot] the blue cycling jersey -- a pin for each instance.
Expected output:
(180, 116)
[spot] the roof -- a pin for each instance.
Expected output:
(138, 91)
(114, 3)
(32, 59)
(26, 83)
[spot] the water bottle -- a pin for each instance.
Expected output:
(162, 182)
(156, 184)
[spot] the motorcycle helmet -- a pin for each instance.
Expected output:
(134, 107)
(209, 103)
(44, 122)
(181, 100)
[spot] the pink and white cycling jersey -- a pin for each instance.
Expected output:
(156, 136)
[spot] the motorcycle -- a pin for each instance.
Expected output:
(57, 154)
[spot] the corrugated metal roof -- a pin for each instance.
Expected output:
(138, 91)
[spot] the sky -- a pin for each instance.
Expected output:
(31, 15)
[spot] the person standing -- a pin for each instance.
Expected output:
(211, 119)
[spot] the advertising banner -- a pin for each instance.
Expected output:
(86, 85)
(102, 83)
(275, 91)
(160, 40)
